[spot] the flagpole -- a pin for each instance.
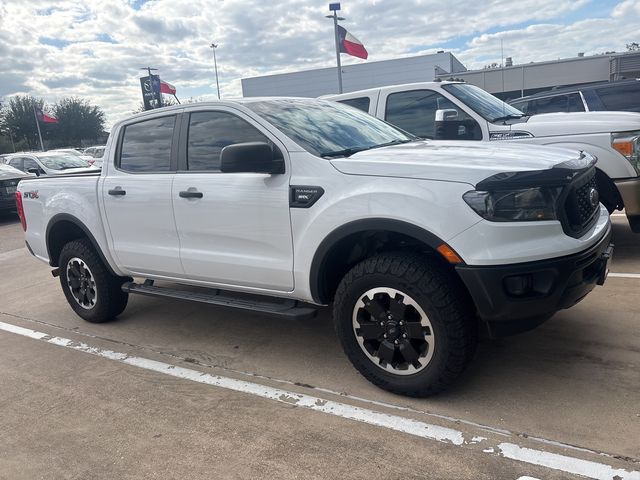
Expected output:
(337, 39)
(213, 47)
(176, 97)
(35, 115)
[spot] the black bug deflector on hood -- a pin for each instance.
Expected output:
(559, 175)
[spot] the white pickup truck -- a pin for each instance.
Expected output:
(459, 111)
(284, 205)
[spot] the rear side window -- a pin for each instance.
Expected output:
(558, 103)
(621, 97)
(210, 132)
(361, 103)
(146, 146)
(16, 163)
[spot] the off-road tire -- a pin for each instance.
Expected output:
(110, 299)
(439, 293)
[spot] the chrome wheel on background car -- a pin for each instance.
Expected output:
(81, 283)
(393, 331)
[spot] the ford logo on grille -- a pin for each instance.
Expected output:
(594, 197)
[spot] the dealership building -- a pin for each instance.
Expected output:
(510, 81)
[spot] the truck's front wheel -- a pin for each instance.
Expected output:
(405, 323)
(91, 290)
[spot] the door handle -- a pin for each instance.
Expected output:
(190, 194)
(117, 191)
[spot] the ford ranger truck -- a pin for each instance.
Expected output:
(459, 111)
(282, 206)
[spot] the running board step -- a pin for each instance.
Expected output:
(283, 308)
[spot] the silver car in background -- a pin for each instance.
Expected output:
(49, 163)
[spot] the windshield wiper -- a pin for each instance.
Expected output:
(511, 116)
(347, 152)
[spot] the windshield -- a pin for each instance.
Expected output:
(63, 161)
(326, 128)
(489, 107)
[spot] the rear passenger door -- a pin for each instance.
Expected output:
(137, 197)
(238, 232)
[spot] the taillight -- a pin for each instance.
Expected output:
(20, 207)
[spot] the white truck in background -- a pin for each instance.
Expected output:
(459, 111)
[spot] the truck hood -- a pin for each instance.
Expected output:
(549, 124)
(455, 161)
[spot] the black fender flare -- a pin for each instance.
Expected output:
(66, 217)
(383, 224)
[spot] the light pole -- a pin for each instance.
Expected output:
(334, 7)
(213, 47)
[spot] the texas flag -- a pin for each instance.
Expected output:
(350, 44)
(166, 87)
(43, 117)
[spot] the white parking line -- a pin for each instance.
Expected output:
(393, 422)
(624, 275)
(11, 254)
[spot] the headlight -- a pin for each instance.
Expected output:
(524, 205)
(628, 144)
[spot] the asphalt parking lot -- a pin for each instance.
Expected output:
(182, 390)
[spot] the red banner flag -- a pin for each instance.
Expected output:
(166, 87)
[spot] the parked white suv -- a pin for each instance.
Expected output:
(459, 111)
(296, 203)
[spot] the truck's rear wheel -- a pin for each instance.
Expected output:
(91, 290)
(405, 323)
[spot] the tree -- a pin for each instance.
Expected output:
(633, 47)
(77, 120)
(18, 120)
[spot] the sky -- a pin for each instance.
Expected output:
(94, 49)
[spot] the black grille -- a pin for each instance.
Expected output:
(582, 204)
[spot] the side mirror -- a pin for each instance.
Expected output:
(250, 157)
(446, 115)
(37, 171)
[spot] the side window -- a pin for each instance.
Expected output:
(522, 106)
(361, 103)
(620, 97)
(574, 103)
(570, 102)
(146, 146)
(415, 112)
(29, 163)
(16, 163)
(210, 132)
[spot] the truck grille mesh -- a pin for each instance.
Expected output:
(580, 210)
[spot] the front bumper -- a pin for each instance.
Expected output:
(515, 298)
(630, 192)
